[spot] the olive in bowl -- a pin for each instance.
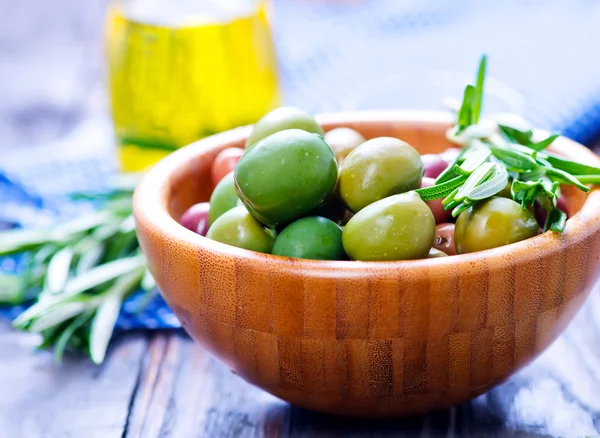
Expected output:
(343, 141)
(379, 168)
(313, 237)
(285, 175)
(281, 119)
(493, 223)
(400, 227)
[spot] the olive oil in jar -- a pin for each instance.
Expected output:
(182, 70)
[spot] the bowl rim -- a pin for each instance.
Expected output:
(151, 198)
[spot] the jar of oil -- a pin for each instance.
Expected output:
(185, 69)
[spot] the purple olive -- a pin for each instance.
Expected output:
(450, 154)
(436, 206)
(540, 213)
(561, 203)
(195, 218)
(444, 239)
(434, 165)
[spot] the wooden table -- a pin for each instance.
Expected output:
(161, 384)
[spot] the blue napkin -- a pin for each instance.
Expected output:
(353, 55)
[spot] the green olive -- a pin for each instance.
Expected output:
(492, 223)
(343, 141)
(280, 119)
(285, 176)
(237, 227)
(311, 237)
(224, 197)
(377, 169)
(401, 227)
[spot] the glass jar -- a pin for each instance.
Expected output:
(182, 70)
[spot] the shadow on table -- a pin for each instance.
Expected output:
(485, 416)
(477, 418)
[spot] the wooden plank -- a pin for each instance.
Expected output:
(42, 399)
(193, 395)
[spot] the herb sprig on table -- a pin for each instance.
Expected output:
(79, 274)
(495, 154)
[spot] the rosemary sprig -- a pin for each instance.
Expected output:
(496, 154)
(79, 273)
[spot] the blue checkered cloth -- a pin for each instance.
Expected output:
(354, 55)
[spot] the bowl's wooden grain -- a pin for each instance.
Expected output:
(366, 339)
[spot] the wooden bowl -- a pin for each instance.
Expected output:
(371, 339)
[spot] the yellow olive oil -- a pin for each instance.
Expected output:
(182, 70)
